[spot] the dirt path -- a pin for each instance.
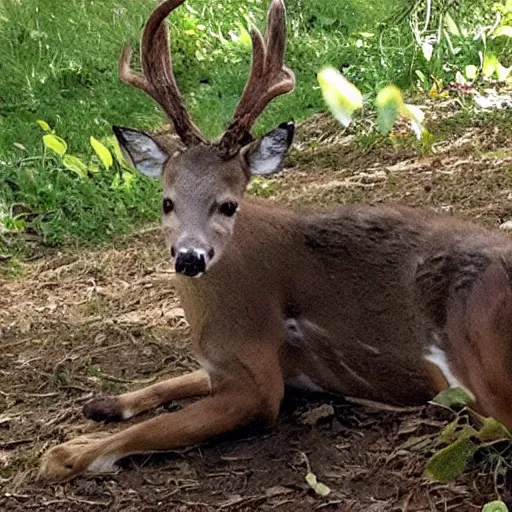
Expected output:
(107, 320)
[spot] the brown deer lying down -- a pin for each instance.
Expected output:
(387, 304)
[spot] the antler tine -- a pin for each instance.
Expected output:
(269, 78)
(158, 79)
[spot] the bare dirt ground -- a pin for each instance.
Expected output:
(78, 324)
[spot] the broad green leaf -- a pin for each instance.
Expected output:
(502, 73)
(493, 430)
(495, 506)
(389, 103)
(451, 26)
(471, 72)
(506, 30)
(56, 144)
(94, 168)
(76, 165)
(450, 462)
(452, 396)
(342, 97)
(103, 152)
(427, 50)
(489, 65)
(44, 125)
(319, 488)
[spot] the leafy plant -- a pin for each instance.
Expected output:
(459, 441)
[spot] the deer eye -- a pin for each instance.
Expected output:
(167, 205)
(228, 208)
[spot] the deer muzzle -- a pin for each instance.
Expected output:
(190, 262)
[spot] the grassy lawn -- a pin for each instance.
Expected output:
(58, 64)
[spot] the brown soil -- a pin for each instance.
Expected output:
(78, 324)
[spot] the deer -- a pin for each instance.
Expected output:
(385, 303)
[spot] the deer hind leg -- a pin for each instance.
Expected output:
(122, 407)
(480, 338)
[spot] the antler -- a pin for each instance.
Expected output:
(158, 78)
(268, 79)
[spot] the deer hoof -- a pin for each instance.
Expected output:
(103, 409)
(71, 459)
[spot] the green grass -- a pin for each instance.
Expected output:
(58, 62)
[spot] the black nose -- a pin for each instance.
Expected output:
(190, 263)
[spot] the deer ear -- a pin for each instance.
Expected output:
(266, 155)
(141, 150)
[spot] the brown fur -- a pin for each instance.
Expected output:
(387, 304)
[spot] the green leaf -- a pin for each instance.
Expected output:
(493, 430)
(76, 165)
(389, 103)
(56, 144)
(452, 396)
(319, 488)
(342, 97)
(244, 38)
(495, 506)
(451, 26)
(489, 65)
(454, 431)
(450, 462)
(506, 30)
(44, 125)
(471, 72)
(103, 152)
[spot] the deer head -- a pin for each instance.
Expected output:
(204, 182)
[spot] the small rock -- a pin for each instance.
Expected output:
(318, 414)
(506, 226)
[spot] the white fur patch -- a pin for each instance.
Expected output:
(105, 464)
(303, 382)
(127, 414)
(437, 356)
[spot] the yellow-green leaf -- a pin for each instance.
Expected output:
(506, 30)
(56, 144)
(471, 71)
(489, 65)
(44, 125)
(244, 38)
(389, 103)
(452, 396)
(318, 487)
(495, 506)
(450, 462)
(76, 165)
(342, 97)
(103, 152)
(493, 430)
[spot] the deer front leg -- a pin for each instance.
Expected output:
(234, 402)
(122, 407)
